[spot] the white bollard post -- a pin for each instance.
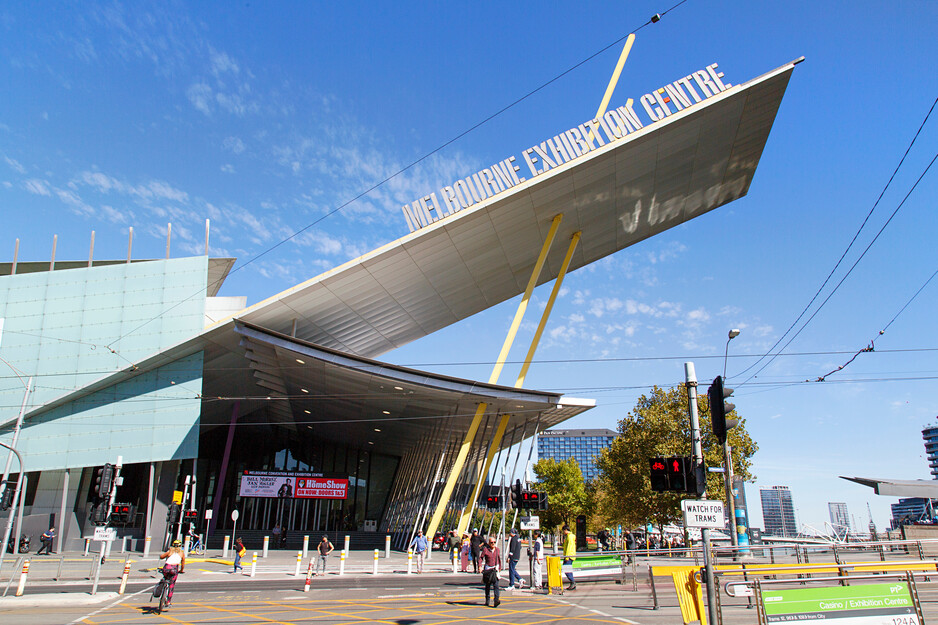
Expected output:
(224, 549)
(123, 544)
(254, 564)
(342, 563)
(305, 546)
(87, 545)
(309, 575)
(266, 544)
(410, 561)
(299, 561)
(347, 539)
(455, 560)
(146, 547)
(185, 546)
(374, 568)
(387, 546)
(124, 577)
(22, 584)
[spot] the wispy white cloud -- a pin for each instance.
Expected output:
(233, 144)
(37, 187)
(15, 165)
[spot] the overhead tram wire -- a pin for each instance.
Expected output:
(656, 18)
(842, 256)
(871, 346)
(849, 271)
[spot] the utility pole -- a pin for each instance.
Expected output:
(690, 381)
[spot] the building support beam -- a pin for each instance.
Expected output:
(496, 371)
(474, 496)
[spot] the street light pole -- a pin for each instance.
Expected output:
(728, 463)
(16, 497)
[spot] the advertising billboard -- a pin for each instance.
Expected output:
(292, 485)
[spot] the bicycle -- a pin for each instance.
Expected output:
(197, 547)
(161, 591)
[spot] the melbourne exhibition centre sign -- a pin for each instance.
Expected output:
(565, 147)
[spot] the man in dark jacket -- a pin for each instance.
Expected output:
(491, 563)
(475, 547)
(514, 554)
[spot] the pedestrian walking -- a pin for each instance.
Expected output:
(46, 540)
(419, 545)
(475, 548)
(569, 555)
(325, 548)
(239, 553)
(538, 568)
(491, 563)
(514, 554)
(464, 553)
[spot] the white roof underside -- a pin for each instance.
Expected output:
(659, 177)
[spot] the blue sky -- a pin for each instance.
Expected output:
(264, 118)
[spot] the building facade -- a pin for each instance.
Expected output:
(778, 512)
(911, 510)
(582, 445)
(209, 400)
(930, 435)
(840, 518)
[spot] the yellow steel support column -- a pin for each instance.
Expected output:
(496, 371)
(614, 80)
(550, 305)
(493, 447)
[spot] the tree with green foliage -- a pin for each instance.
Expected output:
(659, 425)
(565, 488)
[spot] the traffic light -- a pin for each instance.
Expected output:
(493, 502)
(659, 474)
(542, 501)
(677, 474)
(122, 513)
(99, 513)
(190, 516)
(531, 499)
(6, 499)
(172, 513)
(719, 408)
(516, 494)
(102, 481)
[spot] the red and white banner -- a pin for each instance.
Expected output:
(321, 488)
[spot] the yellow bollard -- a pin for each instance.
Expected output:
(266, 544)
(410, 561)
(22, 584)
(299, 561)
(374, 568)
(455, 560)
(124, 577)
(224, 549)
(254, 564)
(342, 563)
(387, 546)
(146, 547)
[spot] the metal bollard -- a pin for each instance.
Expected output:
(266, 544)
(185, 545)
(342, 563)
(22, 584)
(309, 575)
(58, 575)
(299, 561)
(410, 561)
(254, 564)
(124, 577)
(387, 546)
(224, 549)
(347, 539)
(305, 546)
(455, 560)
(146, 547)
(123, 544)
(87, 545)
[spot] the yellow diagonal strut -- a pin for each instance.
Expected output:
(497, 439)
(496, 371)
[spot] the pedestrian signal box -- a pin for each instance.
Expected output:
(493, 502)
(190, 516)
(672, 474)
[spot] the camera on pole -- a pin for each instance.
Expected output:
(719, 408)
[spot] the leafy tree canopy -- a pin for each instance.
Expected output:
(565, 488)
(659, 425)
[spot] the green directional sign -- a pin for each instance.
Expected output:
(871, 604)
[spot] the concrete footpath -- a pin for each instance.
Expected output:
(72, 574)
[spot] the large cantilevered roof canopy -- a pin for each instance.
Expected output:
(386, 407)
(898, 488)
(617, 195)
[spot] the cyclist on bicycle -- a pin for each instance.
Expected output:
(175, 564)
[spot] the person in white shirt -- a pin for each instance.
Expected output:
(175, 564)
(538, 557)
